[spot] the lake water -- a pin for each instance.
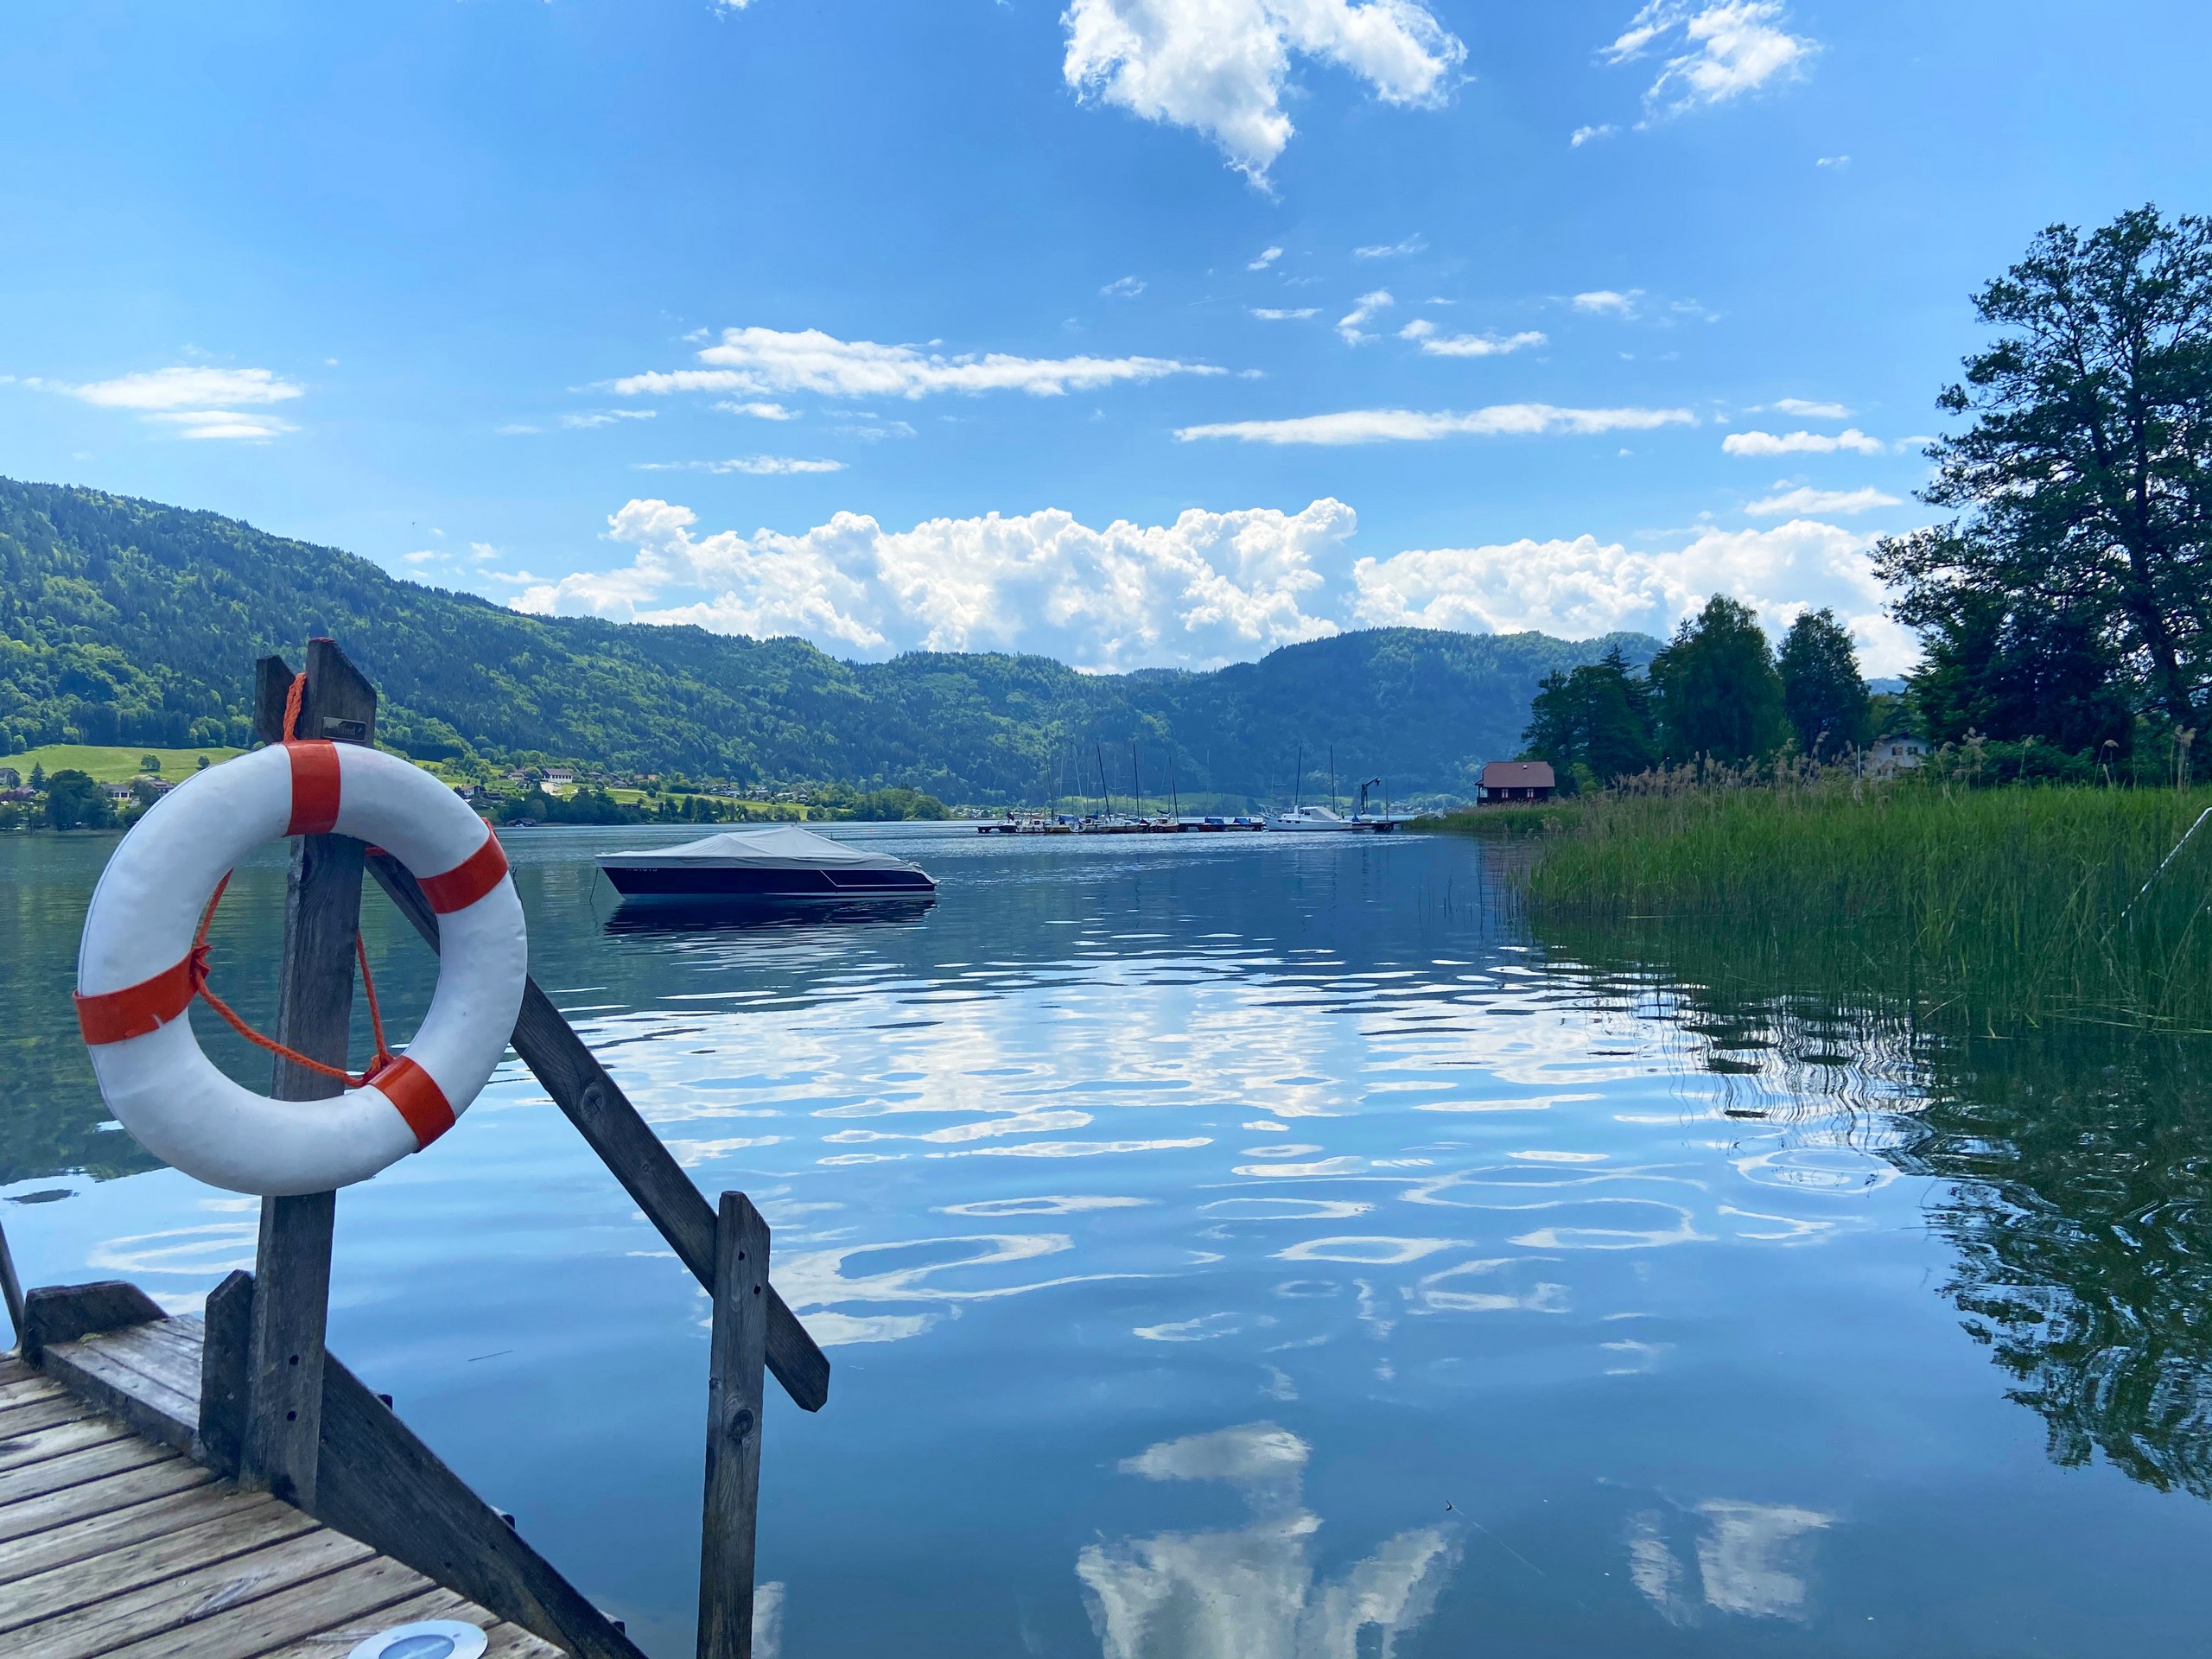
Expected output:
(1235, 1248)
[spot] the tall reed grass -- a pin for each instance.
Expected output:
(1978, 909)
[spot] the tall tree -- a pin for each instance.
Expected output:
(1719, 695)
(1596, 718)
(1823, 691)
(2086, 477)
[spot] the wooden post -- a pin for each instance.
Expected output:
(11, 1289)
(734, 1399)
(314, 1008)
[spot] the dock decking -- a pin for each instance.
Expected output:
(115, 1544)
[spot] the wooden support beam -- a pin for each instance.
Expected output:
(11, 1289)
(55, 1313)
(593, 1101)
(314, 1009)
(225, 1395)
(380, 1484)
(735, 1404)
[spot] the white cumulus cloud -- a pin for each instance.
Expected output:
(1800, 443)
(1583, 587)
(1209, 589)
(1808, 411)
(1221, 66)
(1408, 425)
(754, 362)
(1790, 502)
(1440, 344)
(1268, 257)
(1729, 48)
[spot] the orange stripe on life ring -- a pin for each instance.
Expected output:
(117, 1016)
(417, 1097)
(468, 880)
(315, 788)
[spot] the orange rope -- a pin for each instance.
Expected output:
(201, 952)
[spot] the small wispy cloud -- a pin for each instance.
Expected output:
(1434, 344)
(1353, 323)
(1582, 135)
(1412, 245)
(594, 417)
(1730, 48)
(1795, 503)
(1800, 443)
(1417, 426)
(1807, 410)
(425, 557)
(1832, 161)
(760, 411)
(1609, 302)
(1268, 257)
(1123, 287)
(1272, 314)
(194, 400)
(756, 362)
(752, 466)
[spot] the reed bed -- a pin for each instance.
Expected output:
(1980, 909)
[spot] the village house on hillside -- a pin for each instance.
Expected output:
(1517, 780)
(1898, 752)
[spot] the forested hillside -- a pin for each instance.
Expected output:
(125, 621)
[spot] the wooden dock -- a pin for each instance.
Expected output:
(115, 1543)
(225, 1488)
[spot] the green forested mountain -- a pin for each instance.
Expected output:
(125, 621)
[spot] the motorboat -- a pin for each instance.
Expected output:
(783, 864)
(1320, 820)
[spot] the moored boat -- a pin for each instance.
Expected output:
(783, 864)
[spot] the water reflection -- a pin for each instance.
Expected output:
(1254, 1591)
(1745, 1559)
(1123, 1143)
(755, 915)
(2074, 1172)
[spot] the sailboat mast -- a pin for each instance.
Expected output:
(1333, 777)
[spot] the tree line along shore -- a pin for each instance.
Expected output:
(2033, 855)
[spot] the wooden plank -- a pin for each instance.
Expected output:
(226, 1353)
(20, 1384)
(162, 1475)
(41, 1444)
(249, 1522)
(37, 1414)
(134, 1615)
(738, 1352)
(337, 1601)
(583, 1089)
(314, 1004)
(80, 1540)
(149, 1408)
(382, 1484)
(127, 1451)
(65, 1313)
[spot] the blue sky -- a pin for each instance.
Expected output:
(1135, 331)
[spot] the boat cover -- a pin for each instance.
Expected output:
(781, 846)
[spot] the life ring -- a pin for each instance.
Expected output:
(156, 1078)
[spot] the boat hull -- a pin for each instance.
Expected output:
(679, 884)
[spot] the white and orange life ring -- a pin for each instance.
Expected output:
(152, 1072)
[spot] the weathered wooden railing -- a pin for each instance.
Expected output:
(279, 1412)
